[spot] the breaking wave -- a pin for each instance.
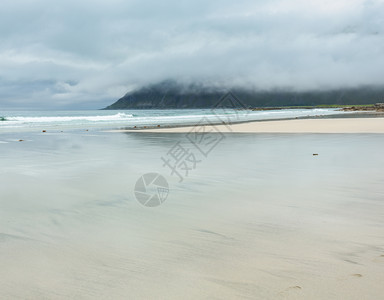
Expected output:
(116, 117)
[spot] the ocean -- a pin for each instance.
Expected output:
(13, 121)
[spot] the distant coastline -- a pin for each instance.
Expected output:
(284, 122)
(173, 95)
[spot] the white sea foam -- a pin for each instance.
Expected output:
(47, 119)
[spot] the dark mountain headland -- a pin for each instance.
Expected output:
(172, 95)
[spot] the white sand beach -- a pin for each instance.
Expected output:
(342, 125)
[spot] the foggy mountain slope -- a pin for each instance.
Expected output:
(170, 94)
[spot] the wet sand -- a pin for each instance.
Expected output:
(259, 218)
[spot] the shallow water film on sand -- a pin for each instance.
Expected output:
(260, 218)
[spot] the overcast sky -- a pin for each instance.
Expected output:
(88, 53)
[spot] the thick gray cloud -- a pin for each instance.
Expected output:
(89, 53)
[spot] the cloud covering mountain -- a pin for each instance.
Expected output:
(86, 54)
